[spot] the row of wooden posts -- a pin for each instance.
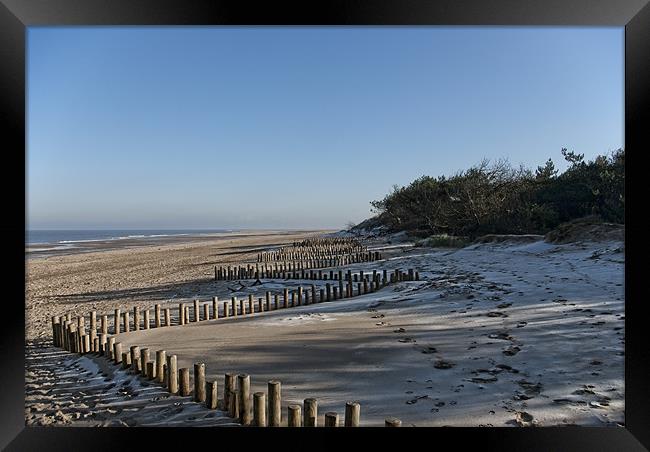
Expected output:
(309, 249)
(236, 399)
(313, 260)
(72, 335)
(328, 242)
(289, 271)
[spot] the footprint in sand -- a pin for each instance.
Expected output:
(496, 314)
(400, 330)
(442, 364)
(428, 350)
(406, 339)
(511, 351)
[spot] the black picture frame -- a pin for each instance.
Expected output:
(17, 15)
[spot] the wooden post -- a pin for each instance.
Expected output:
(157, 315)
(331, 419)
(172, 374)
(160, 365)
(275, 301)
(293, 414)
(260, 305)
(321, 296)
(206, 312)
(259, 409)
(93, 324)
(225, 309)
(197, 314)
(228, 389)
(251, 304)
(299, 295)
(117, 352)
(181, 318)
(116, 322)
(103, 338)
(285, 298)
(104, 324)
(146, 319)
(135, 358)
(352, 413)
(199, 382)
(126, 360)
(268, 301)
(186, 314)
(55, 326)
(111, 348)
(211, 396)
(233, 408)
(275, 403)
(244, 383)
(313, 293)
(392, 422)
(184, 377)
(151, 370)
(125, 317)
(310, 413)
(144, 359)
(215, 307)
(86, 343)
(136, 318)
(328, 290)
(168, 317)
(233, 301)
(242, 307)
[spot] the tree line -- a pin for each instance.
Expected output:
(497, 198)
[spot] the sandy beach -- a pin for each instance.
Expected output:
(512, 333)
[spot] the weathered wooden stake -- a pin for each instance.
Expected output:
(117, 352)
(244, 390)
(228, 389)
(135, 358)
(259, 409)
(197, 313)
(211, 396)
(151, 370)
(160, 365)
(172, 374)
(293, 415)
(111, 351)
(184, 377)
(275, 403)
(331, 419)
(126, 360)
(144, 359)
(168, 317)
(215, 307)
(157, 315)
(199, 382)
(352, 413)
(116, 322)
(311, 412)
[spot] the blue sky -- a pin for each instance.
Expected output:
(237, 127)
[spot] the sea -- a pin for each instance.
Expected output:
(50, 241)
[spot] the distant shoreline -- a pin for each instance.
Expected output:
(43, 249)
